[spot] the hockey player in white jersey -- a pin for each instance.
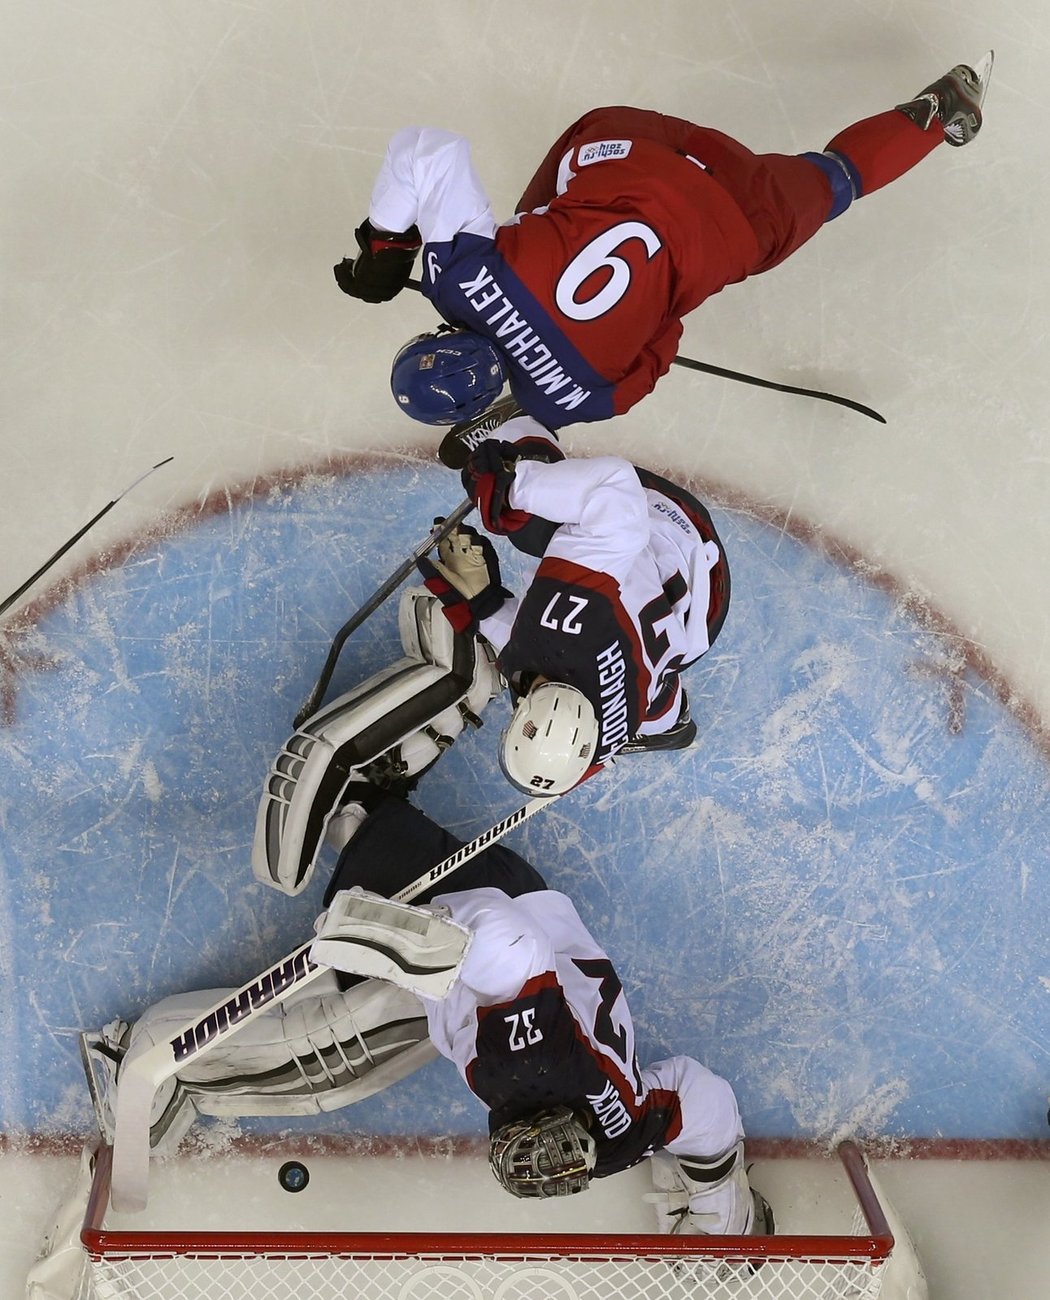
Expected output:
(632, 587)
(534, 1018)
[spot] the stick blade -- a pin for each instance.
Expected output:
(139, 1081)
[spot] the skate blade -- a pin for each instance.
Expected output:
(983, 71)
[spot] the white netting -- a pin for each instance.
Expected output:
(436, 1277)
(478, 1265)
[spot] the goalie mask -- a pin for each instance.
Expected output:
(444, 378)
(550, 741)
(551, 1154)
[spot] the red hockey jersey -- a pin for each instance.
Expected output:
(584, 296)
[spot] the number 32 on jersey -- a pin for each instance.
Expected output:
(523, 1033)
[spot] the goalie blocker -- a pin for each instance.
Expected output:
(389, 731)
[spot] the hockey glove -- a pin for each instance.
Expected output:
(487, 478)
(382, 268)
(465, 577)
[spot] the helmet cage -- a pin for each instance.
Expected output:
(551, 1154)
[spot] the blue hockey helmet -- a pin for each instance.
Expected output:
(444, 378)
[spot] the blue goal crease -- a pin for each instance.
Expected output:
(832, 899)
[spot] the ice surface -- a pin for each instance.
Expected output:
(866, 936)
(837, 882)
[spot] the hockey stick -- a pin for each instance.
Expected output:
(370, 606)
(740, 377)
(77, 536)
(140, 1078)
(708, 369)
(468, 851)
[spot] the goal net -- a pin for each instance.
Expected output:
(860, 1263)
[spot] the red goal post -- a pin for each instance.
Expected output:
(159, 1265)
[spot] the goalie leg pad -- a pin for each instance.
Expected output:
(392, 727)
(718, 1191)
(414, 947)
(322, 1049)
(104, 1054)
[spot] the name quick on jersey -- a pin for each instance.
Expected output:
(610, 1111)
(520, 341)
(611, 674)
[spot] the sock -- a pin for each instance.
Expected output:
(881, 148)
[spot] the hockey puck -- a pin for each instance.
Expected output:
(293, 1176)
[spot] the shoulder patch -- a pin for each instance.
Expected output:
(600, 150)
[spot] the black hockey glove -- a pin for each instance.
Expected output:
(487, 478)
(382, 268)
(465, 577)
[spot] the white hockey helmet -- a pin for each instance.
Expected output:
(551, 1154)
(550, 741)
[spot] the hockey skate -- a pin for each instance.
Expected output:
(359, 800)
(680, 736)
(955, 100)
(728, 1270)
(671, 1201)
(344, 824)
(762, 1222)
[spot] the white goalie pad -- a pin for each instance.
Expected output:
(394, 725)
(670, 1196)
(323, 1049)
(414, 947)
(683, 1205)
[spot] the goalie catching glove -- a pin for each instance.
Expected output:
(383, 267)
(465, 577)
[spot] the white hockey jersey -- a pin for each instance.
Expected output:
(631, 587)
(538, 1018)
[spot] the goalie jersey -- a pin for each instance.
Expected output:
(538, 1018)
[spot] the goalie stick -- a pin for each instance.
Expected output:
(140, 1078)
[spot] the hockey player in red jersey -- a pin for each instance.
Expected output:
(631, 221)
(632, 587)
(534, 1019)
